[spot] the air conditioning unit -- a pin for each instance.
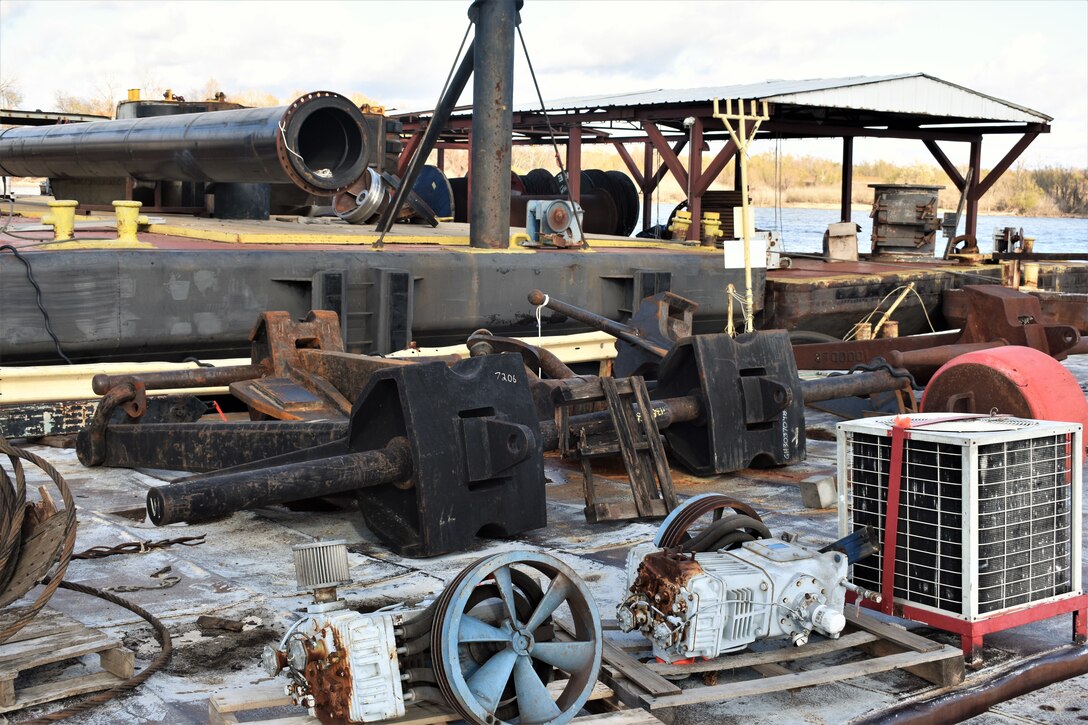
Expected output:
(988, 533)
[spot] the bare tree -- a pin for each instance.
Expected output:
(10, 96)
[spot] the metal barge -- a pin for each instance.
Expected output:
(180, 290)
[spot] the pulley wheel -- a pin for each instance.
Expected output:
(1013, 380)
(484, 642)
(679, 526)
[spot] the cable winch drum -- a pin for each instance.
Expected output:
(317, 143)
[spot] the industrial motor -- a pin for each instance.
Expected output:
(691, 601)
(347, 666)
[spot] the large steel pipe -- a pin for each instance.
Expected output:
(317, 143)
(214, 495)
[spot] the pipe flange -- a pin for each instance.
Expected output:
(326, 175)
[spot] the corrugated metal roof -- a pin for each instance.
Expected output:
(927, 96)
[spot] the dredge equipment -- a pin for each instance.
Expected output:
(435, 454)
(318, 143)
(415, 441)
(486, 647)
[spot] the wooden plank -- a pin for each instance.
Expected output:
(622, 510)
(627, 665)
(270, 694)
(626, 434)
(46, 622)
(771, 669)
(793, 681)
(266, 694)
(44, 650)
(657, 448)
(7, 691)
(946, 672)
(752, 659)
(622, 717)
(892, 633)
(64, 688)
(120, 661)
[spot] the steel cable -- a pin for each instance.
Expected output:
(12, 519)
(13, 529)
(160, 661)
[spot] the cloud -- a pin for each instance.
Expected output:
(1034, 54)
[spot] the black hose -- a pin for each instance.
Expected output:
(421, 624)
(731, 541)
(718, 529)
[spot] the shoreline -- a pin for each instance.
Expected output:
(26, 183)
(856, 206)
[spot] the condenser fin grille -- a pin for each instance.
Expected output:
(1025, 526)
(929, 562)
(1024, 520)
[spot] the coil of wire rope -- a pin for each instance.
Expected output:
(36, 544)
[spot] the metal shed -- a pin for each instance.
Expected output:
(905, 106)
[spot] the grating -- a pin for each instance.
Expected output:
(1024, 519)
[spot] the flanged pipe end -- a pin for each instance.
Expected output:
(322, 144)
(158, 511)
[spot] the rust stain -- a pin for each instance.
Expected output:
(329, 679)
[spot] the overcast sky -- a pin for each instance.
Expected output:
(1034, 54)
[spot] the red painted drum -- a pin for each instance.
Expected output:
(1018, 381)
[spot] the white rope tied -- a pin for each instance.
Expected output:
(540, 328)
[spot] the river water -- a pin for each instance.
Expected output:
(802, 230)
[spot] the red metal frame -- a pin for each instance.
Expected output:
(971, 632)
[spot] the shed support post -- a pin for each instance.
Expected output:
(574, 162)
(847, 178)
(975, 162)
(695, 169)
(736, 172)
(647, 183)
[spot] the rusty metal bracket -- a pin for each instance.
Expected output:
(995, 316)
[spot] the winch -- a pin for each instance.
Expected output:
(716, 591)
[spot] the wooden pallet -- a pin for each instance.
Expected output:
(223, 706)
(53, 637)
(639, 684)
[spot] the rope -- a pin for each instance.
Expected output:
(540, 328)
(551, 133)
(449, 76)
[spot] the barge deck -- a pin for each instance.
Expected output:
(243, 571)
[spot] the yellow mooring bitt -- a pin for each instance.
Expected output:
(62, 218)
(743, 133)
(712, 226)
(681, 222)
